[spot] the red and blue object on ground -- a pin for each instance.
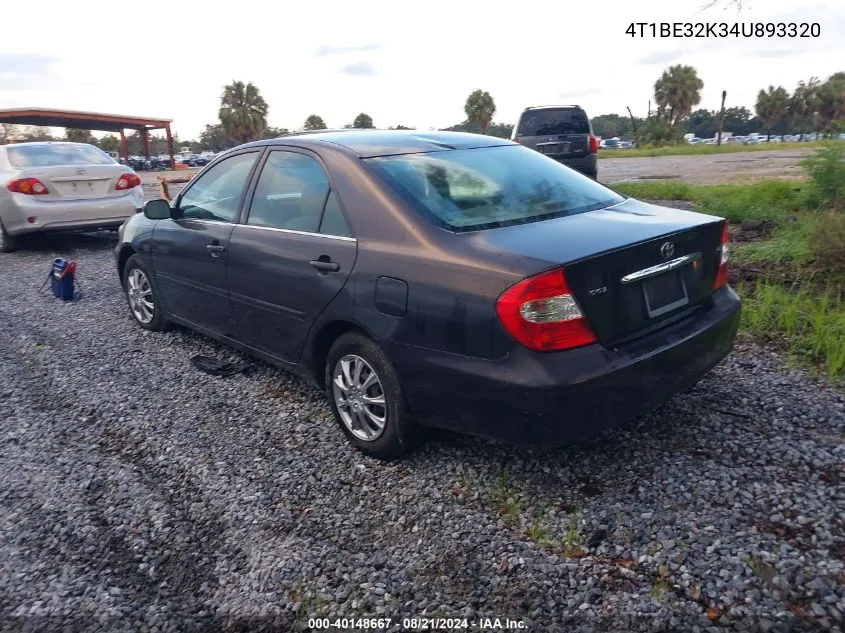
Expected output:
(62, 278)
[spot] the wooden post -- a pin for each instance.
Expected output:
(170, 146)
(145, 134)
(163, 189)
(633, 120)
(124, 151)
(722, 118)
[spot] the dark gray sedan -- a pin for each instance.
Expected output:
(437, 279)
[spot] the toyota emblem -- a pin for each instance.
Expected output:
(667, 250)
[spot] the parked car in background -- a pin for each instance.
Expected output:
(626, 144)
(609, 143)
(437, 279)
(563, 133)
(58, 186)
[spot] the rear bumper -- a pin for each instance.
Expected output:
(585, 164)
(530, 397)
(70, 215)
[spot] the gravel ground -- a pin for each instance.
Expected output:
(137, 494)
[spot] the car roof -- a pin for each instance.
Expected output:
(372, 143)
(31, 143)
(554, 107)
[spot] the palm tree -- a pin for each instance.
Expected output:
(676, 92)
(804, 103)
(77, 136)
(243, 112)
(831, 101)
(771, 106)
(480, 109)
(314, 122)
(363, 120)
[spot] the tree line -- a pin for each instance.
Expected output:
(813, 106)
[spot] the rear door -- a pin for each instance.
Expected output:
(190, 251)
(290, 257)
(559, 133)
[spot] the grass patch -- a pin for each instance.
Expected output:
(810, 325)
(789, 245)
(774, 200)
(506, 499)
(693, 150)
(672, 190)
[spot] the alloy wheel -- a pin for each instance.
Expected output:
(359, 396)
(140, 295)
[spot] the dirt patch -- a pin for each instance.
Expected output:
(750, 231)
(707, 169)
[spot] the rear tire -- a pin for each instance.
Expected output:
(359, 376)
(8, 243)
(142, 296)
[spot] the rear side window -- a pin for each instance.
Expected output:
(490, 187)
(552, 122)
(333, 222)
(26, 156)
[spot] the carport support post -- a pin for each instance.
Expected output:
(124, 152)
(170, 146)
(146, 135)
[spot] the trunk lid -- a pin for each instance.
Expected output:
(70, 171)
(79, 182)
(617, 265)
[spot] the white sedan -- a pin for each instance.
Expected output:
(58, 186)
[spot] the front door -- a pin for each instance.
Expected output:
(290, 257)
(190, 250)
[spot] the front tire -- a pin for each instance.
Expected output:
(141, 296)
(8, 244)
(367, 400)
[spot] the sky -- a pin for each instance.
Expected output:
(411, 63)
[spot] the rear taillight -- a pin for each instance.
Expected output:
(724, 251)
(594, 144)
(27, 186)
(541, 314)
(127, 181)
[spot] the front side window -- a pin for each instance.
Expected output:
(55, 155)
(217, 193)
(290, 194)
(554, 122)
(490, 187)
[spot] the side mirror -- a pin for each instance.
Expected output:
(157, 209)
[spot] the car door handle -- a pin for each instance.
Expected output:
(325, 265)
(214, 249)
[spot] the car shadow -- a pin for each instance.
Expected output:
(689, 428)
(64, 242)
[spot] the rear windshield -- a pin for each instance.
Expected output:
(24, 156)
(545, 122)
(490, 187)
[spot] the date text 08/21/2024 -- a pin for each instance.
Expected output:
(725, 29)
(417, 624)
